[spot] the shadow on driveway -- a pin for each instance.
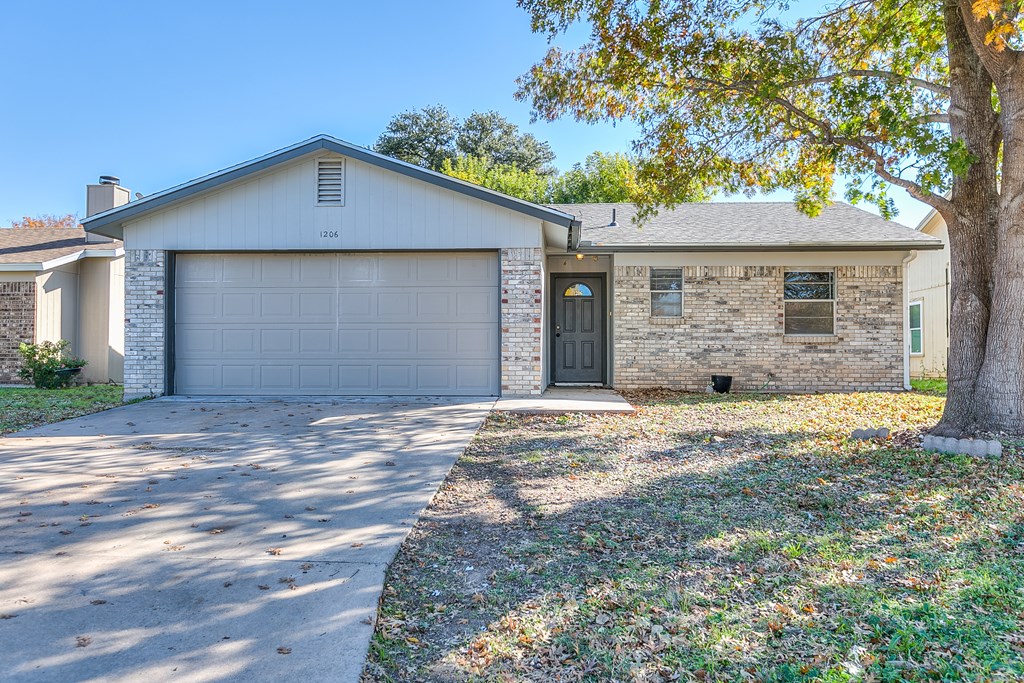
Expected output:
(212, 541)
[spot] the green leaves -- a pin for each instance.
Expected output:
(732, 98)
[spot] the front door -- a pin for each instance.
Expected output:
(579, 329)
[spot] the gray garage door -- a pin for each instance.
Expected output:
(337, 324)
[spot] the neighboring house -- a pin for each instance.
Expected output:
(55, 283)
(325, 268)
(929, 303)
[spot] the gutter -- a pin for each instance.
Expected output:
(907, 260)
(598, 248)
(40, 266)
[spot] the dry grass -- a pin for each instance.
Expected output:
(713, 538)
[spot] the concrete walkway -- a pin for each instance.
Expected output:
(203, 541)
(562, 400)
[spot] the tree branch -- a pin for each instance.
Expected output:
(936, 88)
(998, 63)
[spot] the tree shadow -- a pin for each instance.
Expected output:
(196, 539)
(706, 560)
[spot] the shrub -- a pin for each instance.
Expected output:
(46, 366)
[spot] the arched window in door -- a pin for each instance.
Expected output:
(578, 289)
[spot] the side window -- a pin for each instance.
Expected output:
(666, 292)
(916, 329)
(810, 302)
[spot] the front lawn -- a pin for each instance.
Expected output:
(706, 538)
(21, 408)
(930, 386)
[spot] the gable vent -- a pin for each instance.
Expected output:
(330, 182)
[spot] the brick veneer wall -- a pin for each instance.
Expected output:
(17, 325)
(522, 280)
(145, 282)
(732, 324)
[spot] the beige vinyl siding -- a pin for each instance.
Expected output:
(101, 323)
(57, 306)
(277, 211)
(927, 279)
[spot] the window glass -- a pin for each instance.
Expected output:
(916, 332)
(577, 289)
(809, 302)
(666, 292)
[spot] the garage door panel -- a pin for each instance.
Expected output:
(196, 306)
(316, 341)
(234, 305)
(395, 378)
(397, 341)
(337, 324)
(476, 269)
(355, 270)
(235, 269)
(316, 377)
(356, 379)
(236, 340)
(204, 270)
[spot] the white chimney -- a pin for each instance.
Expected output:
(105, 195)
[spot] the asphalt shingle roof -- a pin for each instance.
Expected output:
(38, 245)
(744, 225)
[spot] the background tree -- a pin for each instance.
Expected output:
(730, 97)
(489, 135)
(531, 186)
(47, 221)
(425, 137)
(601, 178)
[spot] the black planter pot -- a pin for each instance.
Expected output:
(721, 383)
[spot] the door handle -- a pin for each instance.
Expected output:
(558, 330)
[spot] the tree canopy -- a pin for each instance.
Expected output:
(429, 136)
(488, 150)
(47, 221)
(756, 95)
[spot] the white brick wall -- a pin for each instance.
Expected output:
(522, 281)
(145, 282)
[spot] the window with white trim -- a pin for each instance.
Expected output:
(916, 329)
(810, 302)
(330, 182)
(666, 292)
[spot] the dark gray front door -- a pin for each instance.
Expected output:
(579, 329)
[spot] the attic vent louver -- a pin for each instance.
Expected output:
(330, 182)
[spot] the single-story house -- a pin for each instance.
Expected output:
(326, 268)
(929, 303)
(62, 283)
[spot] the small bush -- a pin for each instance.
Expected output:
(46, 366)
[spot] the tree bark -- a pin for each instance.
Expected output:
(1000, 388)
(971, 223)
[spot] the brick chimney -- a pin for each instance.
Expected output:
(105, 195)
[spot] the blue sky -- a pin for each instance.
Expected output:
(160, 93)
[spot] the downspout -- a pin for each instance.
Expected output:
(906, 318)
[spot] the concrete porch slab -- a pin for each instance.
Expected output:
(562, 400)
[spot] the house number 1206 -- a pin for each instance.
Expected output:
(328, 233)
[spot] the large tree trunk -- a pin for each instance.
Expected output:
(971, 224)
(1000, 388)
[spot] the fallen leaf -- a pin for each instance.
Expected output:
(284, 650)
(82, 641)
(274, 551)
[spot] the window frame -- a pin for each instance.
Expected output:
(919, 328)
(653, 291)
(833, 301)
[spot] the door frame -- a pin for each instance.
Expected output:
(603, 277)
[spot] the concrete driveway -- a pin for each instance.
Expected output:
(212, 541)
